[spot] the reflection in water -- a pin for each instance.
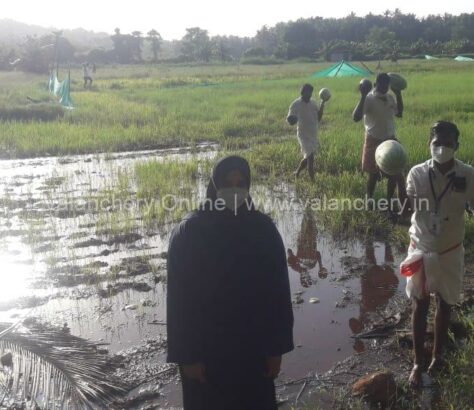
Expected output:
(378, 284)
(307, 254)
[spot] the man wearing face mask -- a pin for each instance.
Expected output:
(307, 114)
(229, 312)
(439, 190)
(378, 108)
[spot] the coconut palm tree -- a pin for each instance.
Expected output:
(137, 44)
(49, 368)
(155, 39)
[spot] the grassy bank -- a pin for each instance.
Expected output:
(457, 387)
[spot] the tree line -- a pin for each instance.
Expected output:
(390, 35)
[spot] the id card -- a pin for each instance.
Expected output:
(435, 223)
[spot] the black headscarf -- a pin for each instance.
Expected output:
(219, 173)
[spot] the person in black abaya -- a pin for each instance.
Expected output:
(230, 317)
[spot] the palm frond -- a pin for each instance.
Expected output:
(55, 369)
(8, 328)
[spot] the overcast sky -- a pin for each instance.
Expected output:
(171, 17)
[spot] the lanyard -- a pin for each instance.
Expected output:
(438, 199)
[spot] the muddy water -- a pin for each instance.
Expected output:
(55, 265)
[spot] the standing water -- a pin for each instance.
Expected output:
(56, 265)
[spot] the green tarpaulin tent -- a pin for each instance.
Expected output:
(65, 93)
(461, 58)
(342, 69)
(52, 79)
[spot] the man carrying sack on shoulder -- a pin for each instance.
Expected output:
(439, 191)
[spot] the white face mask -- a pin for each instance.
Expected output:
(441, 154)
(233, 197)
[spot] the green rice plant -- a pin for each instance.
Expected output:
(167, 190)
(121, 222)
(226, 102)
(242, 107)
(457, 386)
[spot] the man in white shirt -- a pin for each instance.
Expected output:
(307, 114)
(439, 191)
(87, 74)
(378, 108)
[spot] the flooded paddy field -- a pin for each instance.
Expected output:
(74, 258)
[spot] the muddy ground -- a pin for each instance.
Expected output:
(64, 265)
(384, 344)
